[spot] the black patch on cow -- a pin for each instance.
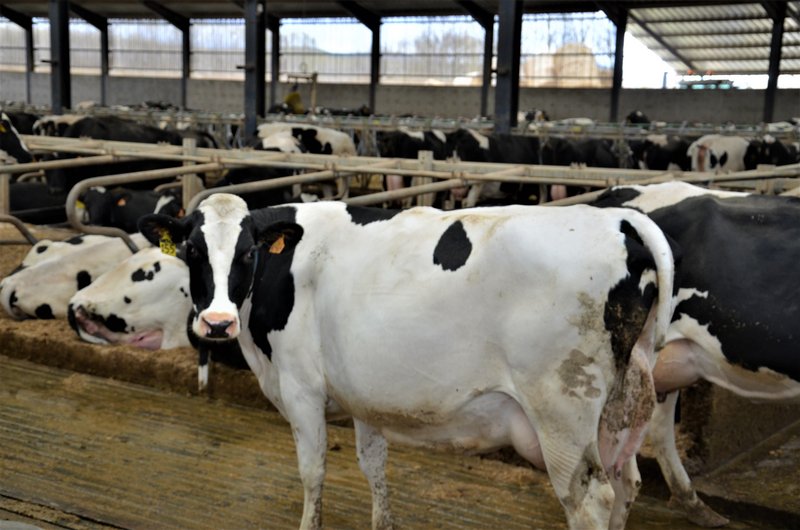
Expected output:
(723, 159)
(44, 312)
(273, 283)
(365, 216)
(115, 323)
(41, 249)
(626, 309)
(453, 248)
(126, 299)
(73, 323)
(185, 294)
(84, 279)
(736, 250)
(76, 240)
(140, 275)
(616, 197)
(12, 300)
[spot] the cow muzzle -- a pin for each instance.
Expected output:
(217, 326)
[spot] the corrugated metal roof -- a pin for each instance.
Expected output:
(730, 37)
(718, 39)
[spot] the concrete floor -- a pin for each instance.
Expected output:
(78, 451)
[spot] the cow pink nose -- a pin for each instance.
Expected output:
(218, 326)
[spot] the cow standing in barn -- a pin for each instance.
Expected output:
(735, 321)
(468, 330)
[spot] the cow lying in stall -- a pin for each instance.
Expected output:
(735, 319)
(496, 338)
(53, 271)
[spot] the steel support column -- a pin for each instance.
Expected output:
(777, 11)
(101, 23)
(60, 83)
(183, 24)
(26, 23)
(486, 20)
(619, 16)
(254, 63)
(274, 26)
(506, 100)
(373, 22)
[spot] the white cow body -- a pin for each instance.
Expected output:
(422, 344)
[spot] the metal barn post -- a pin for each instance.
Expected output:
(274, 26)
(101, 23)
(183, 24)
(506, 100)
(255, 49)
(619, 16)
(61, 96)
(777, 12)
(486, 20)
(373, 22)
(26, 23)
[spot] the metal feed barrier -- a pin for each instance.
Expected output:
(440, 175)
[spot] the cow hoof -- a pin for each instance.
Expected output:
(700, 514)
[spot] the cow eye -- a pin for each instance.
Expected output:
(249, 256)
(192, 252)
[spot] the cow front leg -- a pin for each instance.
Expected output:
(662, 438)
(307, 419)
(372, 452)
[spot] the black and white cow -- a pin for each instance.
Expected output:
(143, 301)
(718, 153)
(315, 139)
(122, 207)
(466, 329)
(54, 271)
(22, 121)
(115, 129)
(12, 149)
(735, 321)
(661, 152)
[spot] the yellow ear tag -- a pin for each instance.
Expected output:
(80, 205)
(277, 246)
(166, 244)
(2, 128)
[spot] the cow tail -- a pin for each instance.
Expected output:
(656, 242)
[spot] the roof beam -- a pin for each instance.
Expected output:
(777, 12)
(721, 18)
(179, 21)
(482, 16)
(98, 21)
(369, 18)
(675, 53)
(20, 19)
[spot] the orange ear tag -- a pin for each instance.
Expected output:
(122, 201)
(277, 246)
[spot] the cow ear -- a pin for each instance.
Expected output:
(158, 229)
(280, 237)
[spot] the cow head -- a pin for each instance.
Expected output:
(221, 243)
(143, 301)
(12, 148)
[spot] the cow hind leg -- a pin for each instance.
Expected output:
(626, 488)
(372, 453)
(662, 438)
(572, 457)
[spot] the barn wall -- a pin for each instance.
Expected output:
(740, 106)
